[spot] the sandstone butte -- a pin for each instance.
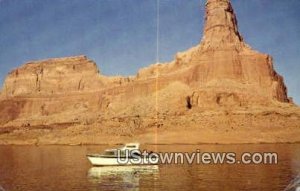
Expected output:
(220, 91)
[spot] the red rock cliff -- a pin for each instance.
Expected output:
(221, 71)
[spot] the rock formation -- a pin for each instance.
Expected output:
(53, 76)
(222, 72)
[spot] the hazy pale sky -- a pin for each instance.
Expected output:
(120, 35)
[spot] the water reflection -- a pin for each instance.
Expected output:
(121, 177)
(294, 184)
(66, 168)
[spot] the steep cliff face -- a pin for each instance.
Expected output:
(223, 63)
(221, 30)
(52, 76)
(223, 55)
(222, 71)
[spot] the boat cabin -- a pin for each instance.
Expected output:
(131, 146)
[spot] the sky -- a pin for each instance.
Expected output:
(120, 35)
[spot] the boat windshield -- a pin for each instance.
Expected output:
(110, 153)
(131, 146)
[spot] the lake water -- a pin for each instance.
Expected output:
(43, 168)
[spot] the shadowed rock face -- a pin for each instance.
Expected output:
(222, 71)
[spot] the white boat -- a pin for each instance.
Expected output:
(126, 155)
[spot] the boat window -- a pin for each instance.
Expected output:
(131, 146)
(109, 153)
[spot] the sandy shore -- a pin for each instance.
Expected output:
(215, 127)
(83, 136)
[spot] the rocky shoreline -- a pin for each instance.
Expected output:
(204, 127)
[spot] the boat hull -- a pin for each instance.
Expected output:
(111, 161)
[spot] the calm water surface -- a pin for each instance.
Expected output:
(66, 168)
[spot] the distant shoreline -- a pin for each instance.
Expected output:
(188, 136)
